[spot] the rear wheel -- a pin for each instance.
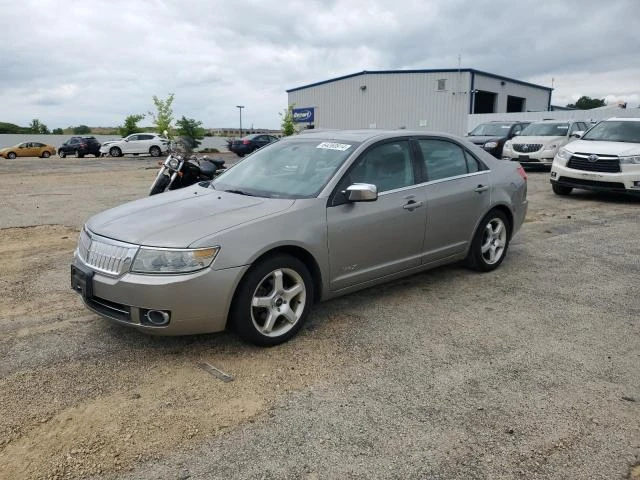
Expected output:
(272, 301)
(561, 189)
(46, 154)
(11, 155)
(115, 152)
(490, 242)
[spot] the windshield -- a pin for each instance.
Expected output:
(296, 168)
(491, 129)
(546, 130)
(615, 131)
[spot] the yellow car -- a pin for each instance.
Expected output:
(28, 149)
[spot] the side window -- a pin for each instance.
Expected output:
(574, 128)
(472, 164)
(443, 159)
(145, 137)
(516, 129)
(132, 138)
(387, 166)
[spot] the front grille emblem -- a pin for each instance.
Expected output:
(593, 158)
(525, 148)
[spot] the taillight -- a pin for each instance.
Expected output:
(245, 142)
(522, 173)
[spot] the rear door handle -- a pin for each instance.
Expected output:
(481, 188)
(411, 205)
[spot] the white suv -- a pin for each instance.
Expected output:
(539, 142)
(607, 158)
(138, 143)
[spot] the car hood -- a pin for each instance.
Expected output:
(537, 139)
(179, 218)
(482, 139)
(604, 148)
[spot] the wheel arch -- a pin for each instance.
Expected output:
(508, 213)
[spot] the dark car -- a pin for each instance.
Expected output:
(79, 147)
(250, 143)
(492, 135)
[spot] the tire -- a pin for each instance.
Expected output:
(240, 154)
(46, 154)
(561, 189)
(11, 155)
(77, 154)
(261, 311)
(115, 152)
(159, 185)
(490, 242)
(155, 151)
(61, 154)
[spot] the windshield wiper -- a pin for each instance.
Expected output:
(240, 192)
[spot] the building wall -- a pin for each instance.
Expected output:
(408, 100)
(536, 99)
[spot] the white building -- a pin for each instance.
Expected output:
(436, 100)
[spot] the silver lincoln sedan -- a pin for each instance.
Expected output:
(304, 219)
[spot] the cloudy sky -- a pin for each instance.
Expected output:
(93, 62)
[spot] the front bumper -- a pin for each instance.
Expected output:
(197, 303)
(541, 157)
(627, 181)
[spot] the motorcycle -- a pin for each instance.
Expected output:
(180, 170)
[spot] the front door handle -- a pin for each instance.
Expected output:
(481, 188)
(411, 205)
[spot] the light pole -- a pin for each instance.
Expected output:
(240, 107)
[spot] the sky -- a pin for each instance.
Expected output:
(93, 62)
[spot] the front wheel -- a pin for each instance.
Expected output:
(11, 155)
(490, 242)
(115, 152)
(154, 151)
(160, 185)
(272, 301)
(61, 154)
(77, 154)
(561, 189)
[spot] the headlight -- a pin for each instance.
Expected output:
(173, 260)
(173, 164)
(564, 154)
(553, 146)
(490, 145)
(507, 144)
(635, 160)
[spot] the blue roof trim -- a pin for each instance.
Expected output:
(442, 70)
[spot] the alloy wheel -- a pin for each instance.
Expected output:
(494, 241)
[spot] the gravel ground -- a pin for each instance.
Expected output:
(531, 371)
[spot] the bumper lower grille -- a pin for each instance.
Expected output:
(527, 147)
(109, 309)
(608, 165)
(580, 182)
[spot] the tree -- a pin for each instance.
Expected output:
(163, 116)
(57, 131)
(191, 129)
(37, 127)
(81, 130)
(130, 125)
(287, 121)
(587, 103)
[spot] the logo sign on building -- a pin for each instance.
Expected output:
(303, 115)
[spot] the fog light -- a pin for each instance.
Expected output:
(636, 184)
(157, 318)
(554, 174)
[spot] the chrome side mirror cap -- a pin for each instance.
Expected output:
(362, 192)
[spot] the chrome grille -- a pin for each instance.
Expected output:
(527, 147)
(104, 254)
(594, 163)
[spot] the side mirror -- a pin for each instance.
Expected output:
(362, 192)
(517, 133)
(578, 134)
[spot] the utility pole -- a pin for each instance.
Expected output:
(240, 107)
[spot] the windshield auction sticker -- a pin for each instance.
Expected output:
(334, 146)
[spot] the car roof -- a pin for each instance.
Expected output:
(624, 119)
(509, 121)
(369, 134)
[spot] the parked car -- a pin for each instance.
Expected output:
(137, 144)
(250, 143)
(539, 142)
(307, 218)
(79, 147)
(28, 149)
(492, 135)
(607, 158)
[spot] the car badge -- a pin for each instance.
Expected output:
(593, 158)
(525, 147)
